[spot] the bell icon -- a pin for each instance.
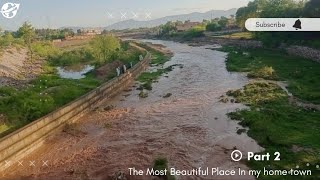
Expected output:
(297, 24)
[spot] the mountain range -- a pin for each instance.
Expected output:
(193, 17)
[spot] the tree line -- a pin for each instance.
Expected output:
(281, 9)
(102, 48)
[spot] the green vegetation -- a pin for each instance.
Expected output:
(161, 164)
(158, 58)
(42, 95)
(281, 9)
(188, 30)
(275, 123)
(219, 24)
(169, 30)
(7, 40)
(44, 49)
(279, 127)
(105, 47)
(301, 74)
(46, 94)
(258, 93)
(68, 58)
(128, 54)
(239, 35)
(265, 72)
(193, 32)
(147, 78)
(26, 32)
(51, 34)
(214, 26)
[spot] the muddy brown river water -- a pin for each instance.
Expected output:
(190, 128)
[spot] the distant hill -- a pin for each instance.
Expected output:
(194, 17)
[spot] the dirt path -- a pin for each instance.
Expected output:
(16, 69)
(190, 128)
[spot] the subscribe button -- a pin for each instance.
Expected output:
(283, 24)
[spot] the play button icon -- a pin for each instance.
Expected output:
(236, 155)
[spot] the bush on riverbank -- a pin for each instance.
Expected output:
(44, 49)
(73, 57)
(265, 72)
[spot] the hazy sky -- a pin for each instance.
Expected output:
(96, 13)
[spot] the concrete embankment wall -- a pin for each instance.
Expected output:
(23, 141)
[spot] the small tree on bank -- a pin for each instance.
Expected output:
(27, 33)
(105, 47)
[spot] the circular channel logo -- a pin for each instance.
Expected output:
(9, 10)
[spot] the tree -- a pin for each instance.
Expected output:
(223, 22)
(66, 32)
(168, 28)
(105, 31)
(27, 33)
(205, 21)
(280, 8)
(312, 9)
(249, 11)
(105, 47)
(8, 38)
(178, 23)
(213, 27)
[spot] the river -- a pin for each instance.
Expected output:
(74, 72)
(190, 128)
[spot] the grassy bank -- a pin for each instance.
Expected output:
(301, 74)
(147, 78)
(273, 122)
(42, 96)
(238, 35)
(49, 91)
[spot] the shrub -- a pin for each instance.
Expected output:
(265, 72)
(194, 32)
(44, 49)
(213, 27)
(71, 57)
